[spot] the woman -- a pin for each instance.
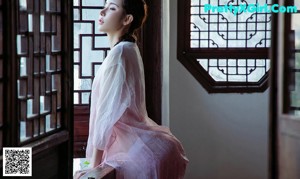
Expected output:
(120, 133)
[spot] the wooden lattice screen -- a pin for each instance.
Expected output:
(39, 54)
(90, 49)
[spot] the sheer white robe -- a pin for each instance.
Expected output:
(119, 125)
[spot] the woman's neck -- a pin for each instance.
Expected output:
(114, 38)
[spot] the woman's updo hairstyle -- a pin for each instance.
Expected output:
(138, 9)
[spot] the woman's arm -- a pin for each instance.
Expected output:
(95, 161)
(96, 158)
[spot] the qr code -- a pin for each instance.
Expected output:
(17, 161)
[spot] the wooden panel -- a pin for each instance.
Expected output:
(45, 164)
(81, 128)
(152, 58)
(50, 163)
(79, 149)
(1, 78)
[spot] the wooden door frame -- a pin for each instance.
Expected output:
(282, 126)
(152, 58)
(273, 100)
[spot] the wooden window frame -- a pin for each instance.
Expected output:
(290, 69)
(284, 126)
(188, 57)
(55, 148)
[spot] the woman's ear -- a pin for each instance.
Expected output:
(128, 19)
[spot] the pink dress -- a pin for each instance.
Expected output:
(119, 124)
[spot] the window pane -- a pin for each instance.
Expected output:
(230, 46)
(236, 70)
(296, 28)
(90, 2)
(90, 47)
(294, 65)
(215, 25)
(39, 41)
(295, 94)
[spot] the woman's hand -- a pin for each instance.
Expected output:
(95, 161)
(79, 173)
(96, 157)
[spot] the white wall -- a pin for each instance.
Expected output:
(225, 136)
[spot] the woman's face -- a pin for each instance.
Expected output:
(112, 16)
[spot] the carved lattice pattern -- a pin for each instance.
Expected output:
(226, 51)
(227, 29)
(90, 47)
(235, 70)
(39, 53)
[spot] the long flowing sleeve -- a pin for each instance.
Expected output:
(111, 104)
(113, 99)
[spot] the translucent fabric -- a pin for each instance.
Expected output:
(119, 125)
